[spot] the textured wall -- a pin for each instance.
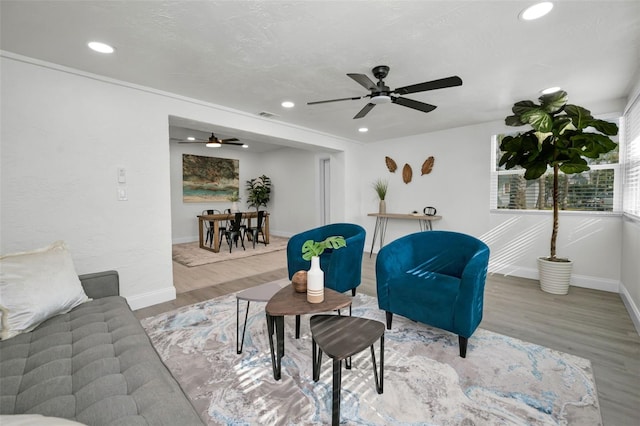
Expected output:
(65, 134)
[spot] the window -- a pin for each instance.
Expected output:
(631, 203)
(595, 190)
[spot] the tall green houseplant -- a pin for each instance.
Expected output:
(563, 137)
(259, 190)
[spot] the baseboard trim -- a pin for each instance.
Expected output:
(632, 308)
(584, 281)
(140, 301)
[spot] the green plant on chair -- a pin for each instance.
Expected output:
(312, 248)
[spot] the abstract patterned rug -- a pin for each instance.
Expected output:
(190, 254)
(503, 381)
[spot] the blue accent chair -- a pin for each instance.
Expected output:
(342, 267)
(436, 278)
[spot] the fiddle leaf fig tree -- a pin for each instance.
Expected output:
(563, 137)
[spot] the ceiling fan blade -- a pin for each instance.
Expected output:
(192, 141)
(410, 103)
(229, 140)
(363, 80)
(335, 100)
(364, 111)
(430, 85)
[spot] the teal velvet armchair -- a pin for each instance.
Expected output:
(342, 267)
(436, 278)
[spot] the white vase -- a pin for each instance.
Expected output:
(234, 207)
(382, 208)
(555, 277)
(315, 282)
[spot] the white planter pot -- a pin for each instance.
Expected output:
(315, 282)
(234, 207)
(555, 277)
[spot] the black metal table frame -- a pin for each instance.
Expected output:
(276, 323)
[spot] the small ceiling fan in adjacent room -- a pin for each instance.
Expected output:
(215, 142)
(381, 94)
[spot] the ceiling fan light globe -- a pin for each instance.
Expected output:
(380, 99)
(213, 145)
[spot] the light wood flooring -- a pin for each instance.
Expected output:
(588, 323)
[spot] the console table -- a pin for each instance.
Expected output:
(382, 219)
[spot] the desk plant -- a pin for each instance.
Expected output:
(234, 198)
(381, 186)
(558, 139)
(259, 190)
(311, 250)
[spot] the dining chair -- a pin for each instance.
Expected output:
(208, 227)
(234, 231)
(254, 231)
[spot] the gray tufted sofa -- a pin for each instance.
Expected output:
(94, 365)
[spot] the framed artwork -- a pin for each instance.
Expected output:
(206, 179)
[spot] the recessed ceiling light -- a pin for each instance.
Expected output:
(550, 90)
(363, 130)
(244, 145)
(100, 47)
(536, 11)
(191, 138)
(288, 104)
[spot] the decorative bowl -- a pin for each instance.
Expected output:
(299, 281)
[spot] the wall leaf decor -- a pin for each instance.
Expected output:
(407, 173)
(391, 165)
(427, 166)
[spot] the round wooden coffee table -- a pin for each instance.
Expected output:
(289, 302)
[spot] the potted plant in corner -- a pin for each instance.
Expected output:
(311, 250)
(259, 190)
(558, 140)
(381, 186)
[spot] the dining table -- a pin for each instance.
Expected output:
(214, 221)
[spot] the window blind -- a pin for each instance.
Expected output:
(631, 180)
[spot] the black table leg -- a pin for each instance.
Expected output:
(277, 352)
(240, 344)
(297, 326)
(380, 380)
(337, 385)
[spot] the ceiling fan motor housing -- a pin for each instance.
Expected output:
(380, 71)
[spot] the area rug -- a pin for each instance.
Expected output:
(503, 381)
(190, 254)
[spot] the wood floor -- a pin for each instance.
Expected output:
(588, 323)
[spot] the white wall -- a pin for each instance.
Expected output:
(459, 188)
(64, 134)
(630, 269)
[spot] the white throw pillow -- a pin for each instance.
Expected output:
(35, 286)
(35, 420)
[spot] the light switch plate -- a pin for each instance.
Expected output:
(122, 175)
(122, 194)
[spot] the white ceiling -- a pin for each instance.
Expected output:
(252, 55)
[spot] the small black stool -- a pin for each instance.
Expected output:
(340, 338)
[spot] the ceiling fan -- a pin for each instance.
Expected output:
(215, 142)
(381, 94)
